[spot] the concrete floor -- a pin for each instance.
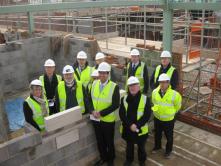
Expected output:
(192, 147)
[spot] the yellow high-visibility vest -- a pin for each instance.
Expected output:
(140, 112)
(37, 112)
(41, 78)
(103, 99)
(157, 72)
(164, 108)
(85, 75)
(139, 74)
(62, 96)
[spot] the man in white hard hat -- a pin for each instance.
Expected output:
(105, 97)
(167, 68)
(135, 111)
(99, 58)
(50, 82)
(138, 69)
(35, 107)
(71, 93)
(82, 71)
(166, 103)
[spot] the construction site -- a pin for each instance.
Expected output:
(32, 31)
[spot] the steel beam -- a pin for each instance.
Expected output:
(167, 28)
(74, 5)
(195, 6)
(31, 23)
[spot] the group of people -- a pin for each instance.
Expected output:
(93, 89)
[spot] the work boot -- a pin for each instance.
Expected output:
(155, 150)
(167, 155)
(142, 163)
(127, 163)
(110, 163)
(99, 162)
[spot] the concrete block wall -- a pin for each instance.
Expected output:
(13, 67)
(32, 149)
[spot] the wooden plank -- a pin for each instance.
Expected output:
(195, 66)
(204, 90)
(62, 119)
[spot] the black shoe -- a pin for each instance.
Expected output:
(142, 163)
(99, 162)
(110, 163)
(155, 150)
(167, 155)
(127, 163)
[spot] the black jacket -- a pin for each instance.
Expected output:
(131, 117)
(115, 103)
(174, 79)
(28, 113)
(130, 72)
(50, 87)
(71, 100)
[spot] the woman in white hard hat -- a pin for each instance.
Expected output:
(50, 82)
(165, 67)
(134, 113)
(35, 107)
(82, 71)
(94, 76)
(99, 58)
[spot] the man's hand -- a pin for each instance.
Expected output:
(96, 114)
(133, 127)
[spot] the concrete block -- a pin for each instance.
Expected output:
(62, 119)
(43, 149)
(37, 162)
(17, 160)
(53, 157)
(86, 130)
(3, 153)
(67, 138)
(24, 142)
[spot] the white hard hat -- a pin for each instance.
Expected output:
(164, 77)
(68, 69)
(99, 55)
(81, 55)
(104, 66)
(165, 54)
(132, 80)
(135, 52)
(36, 82)
(95, 73)
(49, 63)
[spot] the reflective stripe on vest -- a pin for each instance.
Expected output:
(103, 99)
(62, 96)
(85, 75)
(139, 74)
(140, 112)
(37, 112)
(163, 108)
(157, 72)
(41, 78)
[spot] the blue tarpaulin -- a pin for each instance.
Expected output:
(14, 111)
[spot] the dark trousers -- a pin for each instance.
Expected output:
(52, 110)
(166, 127)
(105, 139)
(141, 150)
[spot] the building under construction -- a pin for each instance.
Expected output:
(32, 31)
